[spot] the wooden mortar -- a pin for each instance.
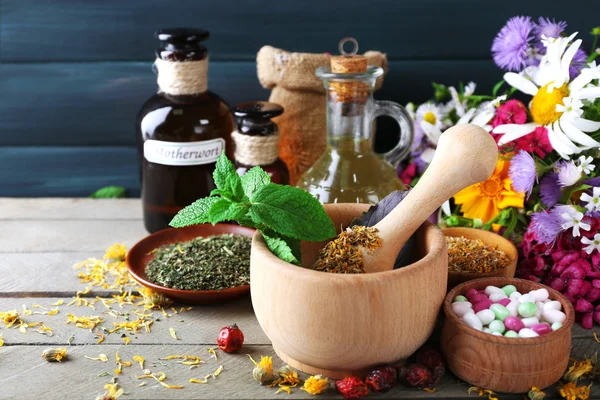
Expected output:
(508, 365)
(338, 325)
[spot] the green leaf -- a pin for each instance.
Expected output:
(254, 180)
(280, 247)
(497, 87)
(291, 212)
(229, 184)
(109, 192)
(225, 210)
(195, 213)
(564, 199)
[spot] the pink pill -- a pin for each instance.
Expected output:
(477, 298)
(470, 293)
(504, 302)
(482, 305)
(541, 329)
(513, 324)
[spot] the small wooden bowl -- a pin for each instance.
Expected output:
(140, 255)
(338, 325)
(491, 238)
(508, 365)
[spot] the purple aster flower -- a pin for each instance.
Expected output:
(550, 189)
(548, 28)
(509, 48)
(547, 226)
(523, 172)
(568, 174)
(579, 62)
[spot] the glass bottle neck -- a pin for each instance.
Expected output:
(349, 125)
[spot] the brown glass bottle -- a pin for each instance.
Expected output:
(256, 140)
(181, 131)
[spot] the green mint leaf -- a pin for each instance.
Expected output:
(279, 247)
(254, 179)
(109, 192)
(291, 212)
(227, 180)
(195, 213)
(225, 210)
(237, 190)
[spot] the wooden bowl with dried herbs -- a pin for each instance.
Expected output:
(199, 264)
(475, 253)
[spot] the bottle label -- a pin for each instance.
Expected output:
(185, 153)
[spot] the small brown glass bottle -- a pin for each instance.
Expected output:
(257, 139)
(181, 130)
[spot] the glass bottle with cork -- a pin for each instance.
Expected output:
(181, 130)
(350, 171)
(257, 139)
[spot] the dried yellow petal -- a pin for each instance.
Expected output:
(112, 393)
(139, 360)
(53, 312)
(126, 340)
(1, 341)
(482, 392)
(23, 328)
(38, 306)
(203, 380)
(57, 354)
(100, 338)
(284, 389)
(173, 334)
(84, 322)
(218, 371)
(429, 390)
(58, 303)
(316, 384)
(101, 357)
(214, 353)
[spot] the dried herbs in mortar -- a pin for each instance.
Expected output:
(205, 263)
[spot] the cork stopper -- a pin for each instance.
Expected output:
(348, 63)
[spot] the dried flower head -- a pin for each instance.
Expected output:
(10, 318)
(263, 370)
(584, 368)
(57, 354)
(536, 394)
(571, 391)
(153, 300)
(116, 253)
(316, 384)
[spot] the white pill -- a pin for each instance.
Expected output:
(539, 310)
(556, 325)
(492, 289)
(487, 330)
(472, 320)
(497, 296)
(540, 294)
(551, 316)
(527, 298)
(553, 304)
(515, 295)
(461, 308)
(497, 334)
(513, 308)
(527, 333)
(529, 322)
(486, 316)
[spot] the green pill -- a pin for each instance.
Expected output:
(512, 334)
(556, 325)
(527, 309)
(500, 311)
(459, 299)
(509, 289)
(497, 326)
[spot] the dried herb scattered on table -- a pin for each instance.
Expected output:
(211, 263)
(343, 255)
(473, 255)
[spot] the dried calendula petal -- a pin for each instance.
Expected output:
(57, 354)
(284, 389)
(1, 341)
(139, 360)
(100, 338)
(203, 380)
(214, 353)
(101, 357)
(482, 392)
(53, 312)
(173, 334)
(112, 392)
(218, 371)
(316, 384)
(84, 322)
(126, 340)
(58, 303)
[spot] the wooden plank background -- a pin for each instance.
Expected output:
(73, 73)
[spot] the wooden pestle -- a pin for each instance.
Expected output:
(465, 155)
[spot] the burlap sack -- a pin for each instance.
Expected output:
(302, 94)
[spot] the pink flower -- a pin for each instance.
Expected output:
(407, 175)
(511, 112)
(536, 142)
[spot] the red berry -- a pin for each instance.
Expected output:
(352, 388)
(417, 375)
(433, 360)
(381, 379)
(230, 339)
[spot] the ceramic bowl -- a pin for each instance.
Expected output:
(337, 324)
(507, 365)
(487, 237)
(141, 254)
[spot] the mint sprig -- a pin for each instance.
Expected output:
(284, 214)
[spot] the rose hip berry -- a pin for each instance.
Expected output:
(417, 375)
(433, 360)
(352, 388)
(230, 339)
(381, 379)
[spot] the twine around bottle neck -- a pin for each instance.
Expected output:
(255, 150)
(182, 77)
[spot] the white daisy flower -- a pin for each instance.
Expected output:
(483, 114)
(592, 244)
(593, 201)
(430, 117)
(410, 109)
(556, 102)
(470, 88)
(574, 220)
(585, 164)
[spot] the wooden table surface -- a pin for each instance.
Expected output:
(41, 239)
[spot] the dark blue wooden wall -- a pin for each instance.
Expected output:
(73, 73)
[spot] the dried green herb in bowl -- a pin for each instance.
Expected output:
(205, 263)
